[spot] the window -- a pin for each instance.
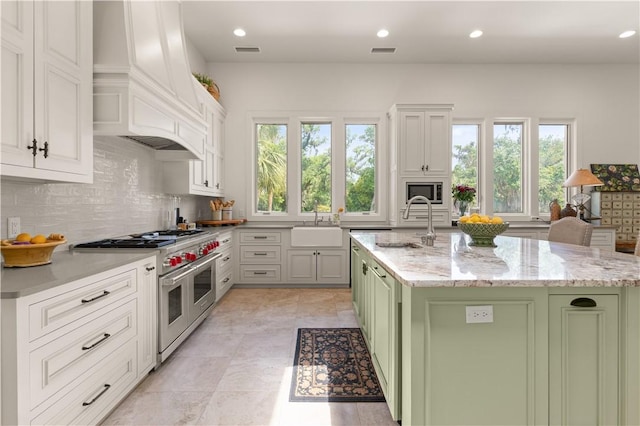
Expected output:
(318, 161)
(271, 168)
(315, 151)
(508, 152)
(553, 143)
(464, 161)
(528, 164)
(360, 157)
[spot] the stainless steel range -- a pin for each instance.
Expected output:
(186, 278)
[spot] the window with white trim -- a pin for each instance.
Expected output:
(328, 164)
(523, 168)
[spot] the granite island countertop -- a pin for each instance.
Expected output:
(515, 262)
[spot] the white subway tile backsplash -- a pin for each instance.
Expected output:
(126, 197)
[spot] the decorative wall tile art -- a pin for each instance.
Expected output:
(617, 177)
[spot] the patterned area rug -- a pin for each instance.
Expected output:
(333, 364)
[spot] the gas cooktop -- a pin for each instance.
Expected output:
(153, 239)
(127, 243)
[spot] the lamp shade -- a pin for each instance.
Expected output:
(582, 177)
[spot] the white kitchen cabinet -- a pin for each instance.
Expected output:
(259, 255)
(423, 140)
(47, 87)
(204, 177)
(420, 151)
(73, 352)
(321, 265)
(224, 264)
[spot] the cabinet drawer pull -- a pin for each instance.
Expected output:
(584, 302)
(93, 299)
(150, 268)
(354, 248)
(260, 253)
(226, 280)
(259, 273)
(259, 237)
(225, 241)
(375, 271)
(104, 337)
(226, 258)
(106, 388)
(364, 269)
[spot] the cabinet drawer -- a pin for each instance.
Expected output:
(60, 361)
(259, 254)
(603, 240)
(96, 392)
(225, 260)
(59, 311)
(259, 237)
(225, 240)
(260, 273)
(224, 283)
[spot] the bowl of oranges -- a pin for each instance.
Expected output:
(482, 229)
(27, 250)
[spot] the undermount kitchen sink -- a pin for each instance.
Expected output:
(316, 236)
(398, 244)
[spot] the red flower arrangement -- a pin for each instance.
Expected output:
(463, 193)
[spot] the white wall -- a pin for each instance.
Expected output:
(604, 100)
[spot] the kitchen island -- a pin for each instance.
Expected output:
(528, 332)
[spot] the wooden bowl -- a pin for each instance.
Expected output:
(24, 255)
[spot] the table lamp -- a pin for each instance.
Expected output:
(582, 178)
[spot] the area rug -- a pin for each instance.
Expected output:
(334, 365)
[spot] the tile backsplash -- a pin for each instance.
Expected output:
(126, 197)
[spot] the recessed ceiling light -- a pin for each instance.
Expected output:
(382, 33)
(475, 34)
(239, 32)
(627, 34)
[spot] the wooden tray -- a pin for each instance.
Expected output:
(220, 222)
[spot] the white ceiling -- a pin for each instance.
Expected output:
(424, 31)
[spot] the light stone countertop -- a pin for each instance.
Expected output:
(65, 266)
(516, 262)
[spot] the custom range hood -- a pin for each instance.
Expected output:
(143, 86)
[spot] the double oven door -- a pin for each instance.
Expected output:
(185, 295)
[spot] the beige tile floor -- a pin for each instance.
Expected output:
(235, 369)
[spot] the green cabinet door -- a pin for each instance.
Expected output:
(583, 359)
(356, 273)
(360, 293)
(384, 334)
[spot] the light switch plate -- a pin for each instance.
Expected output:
(13, 227)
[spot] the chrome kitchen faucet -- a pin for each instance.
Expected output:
(430, 236)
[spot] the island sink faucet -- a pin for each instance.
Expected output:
(430, 236)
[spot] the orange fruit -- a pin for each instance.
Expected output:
(23, 237)
(39, 239)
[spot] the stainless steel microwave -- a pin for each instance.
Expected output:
(430, 190)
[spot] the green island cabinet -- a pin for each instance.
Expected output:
(551, 356)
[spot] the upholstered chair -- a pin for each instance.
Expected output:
(570, 230)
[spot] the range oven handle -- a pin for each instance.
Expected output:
(170, 280)
(206, 261)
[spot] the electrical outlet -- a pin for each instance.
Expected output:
(13, 227)
(476, 314)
